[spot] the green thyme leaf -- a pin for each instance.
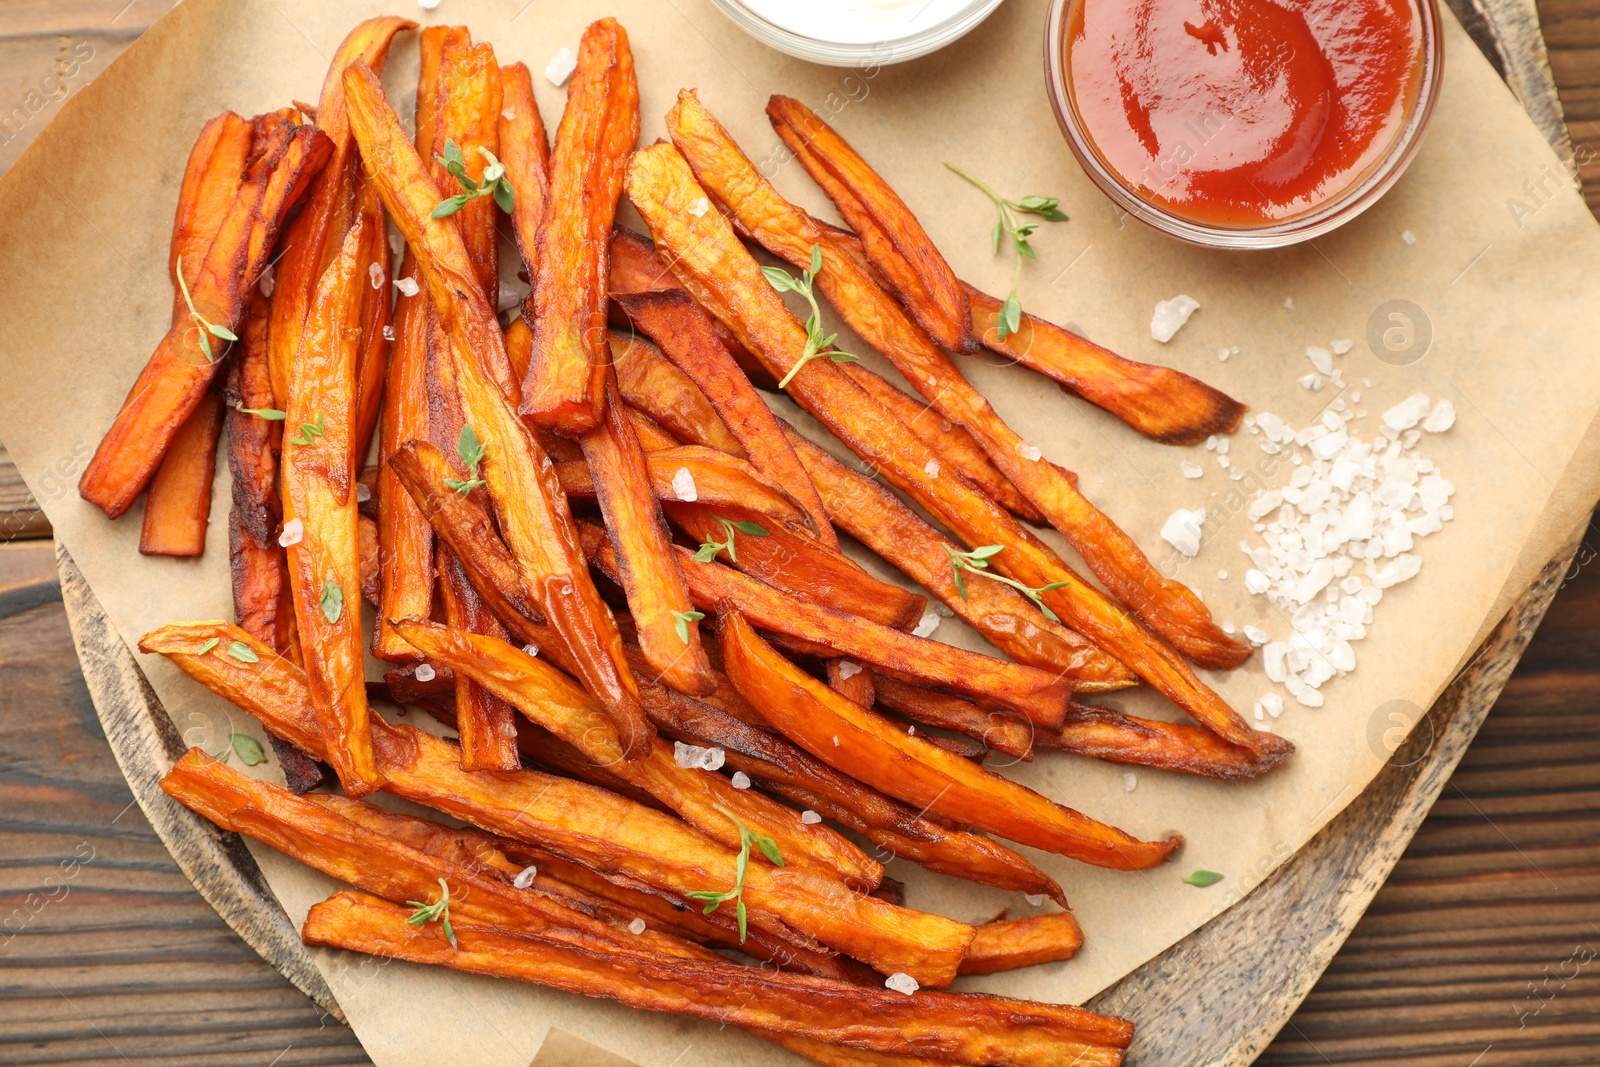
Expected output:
(208, 646)
(248, 749)
(1203, 879)
(438, 911)
(1007, 223)
(332, 600)
(681, 621)
(270, 414)
(243, 652)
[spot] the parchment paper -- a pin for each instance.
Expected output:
(1503, 269)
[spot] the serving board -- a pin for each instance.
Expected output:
(1217, 997)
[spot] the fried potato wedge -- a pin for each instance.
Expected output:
(1006, 944)
(1026, 690)
(909, 768)
(1170, 608)
(565, 386)
(893, 239)
(182, 367)
(646, 563)
(1163, 404)
(1173, 746)
(785, 769)
(532, 511)
(321, 836)
(968, 1028)
(178, 507)
(656, 386)
(579, 822)
(324, 565)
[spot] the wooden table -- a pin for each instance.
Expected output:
(1483, 949)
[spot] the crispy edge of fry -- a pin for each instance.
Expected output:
(651, 577)
(965, 1027)
(564, 389)
(318, 479)
(660, 388)
(893, 239)
(684, 332)
(372, 358)
(879, 754)
(533, 512)
(1161, 403)
(210, 182)
(485, 724)
(177, 508)
(996, 730)
(1109, 735)
(1006, 944)
(719, 479)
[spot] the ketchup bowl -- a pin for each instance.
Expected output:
(1244, 123)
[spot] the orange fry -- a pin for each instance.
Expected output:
(486, 725)
(210, 182)
(1006, 944)
(178, 507)
(565, 386)
(525, 150)
(656, 386)
(1174, 746)
(879, 754)
(719, 480)
(997, 730)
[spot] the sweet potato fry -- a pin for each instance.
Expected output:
(210, 182)
(782, 768)
(955, 446)
(564, 389)
(321, 836)
(909, 768)
(467, 112)
(707, 256)
(532, 511)
(182, 368)
(1026, 690)
(178, 507)
(656, 386)
(996, 730)
(486, 724)
(687, 338)
(1174, 746)
(319, 491)
(648, 567)
(1170, 608)
(549, 698)
(968, 1028)
(372, 357)
(873, 515)
(719, 480)
(576, 821)
(525, 150)
(1006, 944)
(891, 236)
(1163, 404)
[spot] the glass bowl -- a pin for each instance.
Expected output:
(1361, 194)
(843, 51)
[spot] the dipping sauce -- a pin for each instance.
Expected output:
(857, 21)
(1243, 113)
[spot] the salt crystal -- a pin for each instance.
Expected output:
(509, 113)
(1028, 452)
(375, 275)
(1341, 346)
(924, 628)
(1222, 575)
(1407, 413)
(1408, 237)
(1441, 418)
(1034, 899)
(560, 67)
(1182, 530)
(531, 648)
(525, 877)
(1190, 470)
(835, 740)
(388, 333)
(425, 672)
(741, 780)
(1256, 636)
(1222, 355)
(638, 925)
(809, 817)
(1288, 303)
(1310, 698)
(901, 982)
(1129, 781)
(1274, 660)
(407, 286)
(1170, 315)
(699, 206)
(691, 757)
(1320, 358)
(1223, 446)
(269, 279)
(849, 668)
(427, 5)
(363, 492)
(1211, 443)
(1309, 381)
(1256, 581)
(293, 530)
(1273, 704)
(683, 485)
(931, 468)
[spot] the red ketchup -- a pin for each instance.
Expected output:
(1243, 112)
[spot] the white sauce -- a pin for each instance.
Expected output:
(856, 21)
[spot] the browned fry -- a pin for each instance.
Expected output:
(1090, 730)
(1006, 944)
(532, 511)
(525, 151)
(783, 768)
(1026, 690)
(180, 371)
(687, 338)
(909, 768)
(319, 834)
(579, 822)
(565, 386)
(324, 565)
(707, 256)
(950, 441)
(372, 358)
(997, 730)
(719, 479)
(1170, 608)
(646, 564)
(210, 182)
(1165, 405)
(549, 698)
(967, 1028)
(893, 239)
(178, 507)
(873, 515)
(659, 388)
(467, 112)
(486, 724)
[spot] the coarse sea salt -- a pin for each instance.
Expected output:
(560, 67)
(375, 275)
(809, 817)
(683, 485)
(924, 628)
(901, 982)
(636, 927)
(690, 757)
(848, 669)
(1183, 528)
(1191, 470)
(1170, 315)
(293, 530)
(1337, 534)
(741, 780)
(407, 286)
(425, 672)
(525, 877)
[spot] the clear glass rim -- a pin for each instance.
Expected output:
(1328, 217)
(837, 54)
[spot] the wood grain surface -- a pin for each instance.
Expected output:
(1482, 949)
